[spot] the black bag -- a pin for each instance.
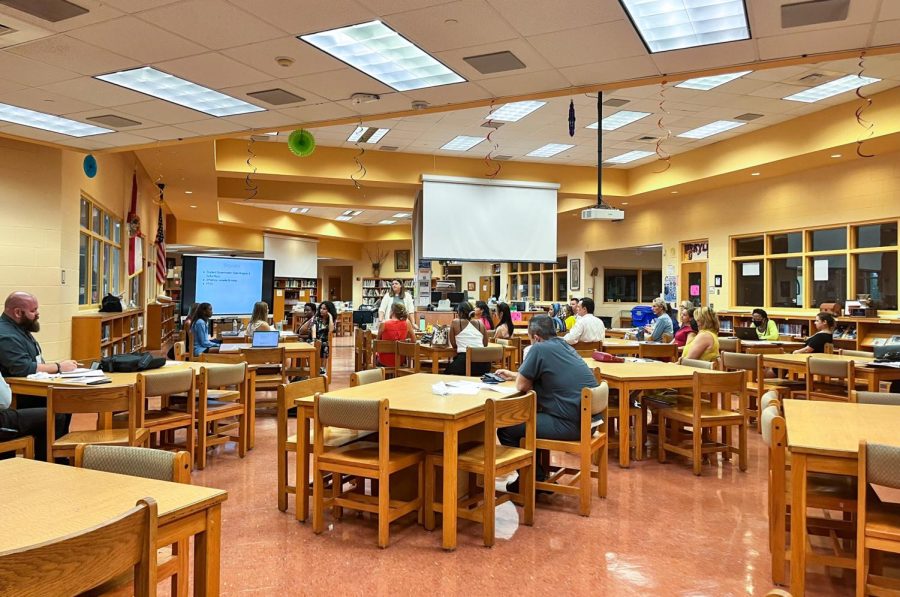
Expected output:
(131, 363)
(111, 304)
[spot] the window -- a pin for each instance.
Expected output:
(787, 282)
(620, 285)
(876, 275)
(834, 239)
(749, 247)
(876, 235)
(829, 279)
(651, 284)
(789, 242)
(99, 254)
(748, 276)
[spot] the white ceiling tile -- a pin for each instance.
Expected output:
(98, 11)
(572, 47)
(778, 90)
(525, 82)
(73, 54)
(389, 102)
(340, 84)
(317, 112)
(887, 32)
(30, 72)
(453, 25)
(88, 143)
(32, 133)
(738, 52)
(307, 59)
(212, 70)
(387, 7)
(449, 94)
(889, 11)
(262, 120)
(297, 19)
(813, 42)
(212, 126)
(131, 6)
(120, 139)
(624, 69)
(163, 133)
(162, 112)
(533, 17)
(43, 101)
(215, 24)
(100, 93)
(137, 39)
(778, 74)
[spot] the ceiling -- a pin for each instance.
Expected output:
(231, 46)
(368, 217)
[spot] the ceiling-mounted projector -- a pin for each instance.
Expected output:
(602, 213)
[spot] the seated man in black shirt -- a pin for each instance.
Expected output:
(824, 323)
(557, 373)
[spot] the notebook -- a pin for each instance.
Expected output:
(265, 339)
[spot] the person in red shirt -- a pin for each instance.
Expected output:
(398, 327)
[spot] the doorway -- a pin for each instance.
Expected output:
(334, 288)
(694, 263)
(485, 284)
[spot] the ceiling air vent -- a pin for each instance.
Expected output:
(48, 10)
(748, 116)
(497, 62)
(111, 120)
(388, 148)
(276, 97)
(615, 103)
(812, 79)
(813, 12)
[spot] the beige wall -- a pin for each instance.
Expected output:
(615, 259)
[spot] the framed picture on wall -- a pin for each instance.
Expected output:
(471, 286)
(575, 274)
(401, 261)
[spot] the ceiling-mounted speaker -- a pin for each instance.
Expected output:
(48, 10)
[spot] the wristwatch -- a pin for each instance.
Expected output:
(58, 368)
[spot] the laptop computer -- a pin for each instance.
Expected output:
(881, 351)
(265, 339)
(745, 333)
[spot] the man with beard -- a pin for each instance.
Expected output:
(20, 355)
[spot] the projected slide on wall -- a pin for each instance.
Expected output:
(230, 285)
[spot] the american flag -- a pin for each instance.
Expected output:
(160, 249)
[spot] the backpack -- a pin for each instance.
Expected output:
(111, 304)
(131, 363)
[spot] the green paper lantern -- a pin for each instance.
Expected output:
(302, 143)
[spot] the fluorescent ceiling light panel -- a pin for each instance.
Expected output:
(514, 111)
(352, 212)
(631, 156)
(387, 222)
(49, 122)
(179, 91)
(462, 143)
(676, 24)
(299, 210)
(383, 54)
(619, 119)
(343, 218)
(549, 150)
(713, 128)
(403, 214)
(707, 83)
(826, 90)
(367, 134)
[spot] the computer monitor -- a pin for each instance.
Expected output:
(456, 297)
(519, 305)
(436, 296)
(265, 339)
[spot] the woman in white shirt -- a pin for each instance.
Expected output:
(259, 320)
(397, 294)
(466, 332)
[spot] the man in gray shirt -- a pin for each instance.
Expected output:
(556, 373)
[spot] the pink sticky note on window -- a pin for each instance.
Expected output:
(516, 316)
(695, 290)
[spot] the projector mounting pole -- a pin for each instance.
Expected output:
(599, 147)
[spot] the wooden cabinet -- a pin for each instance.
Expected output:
(160, 326)
(96, 335)
(851, 333)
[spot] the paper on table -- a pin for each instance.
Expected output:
(81, 372)
(454, 387)
(495, 388)
(230, 347)
(892, 365)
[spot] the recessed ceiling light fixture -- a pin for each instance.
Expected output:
(462, 143)
(193, 207)
(367, 134)
(179, 91)
(619, 119)
(754, 174)
(675, 24)
(836, 155)
(713, 128)
(514, 111)
(189, 192)
(830, 89)
(299, 210)
(707, 83)
(387, 222)
(352, 212)
(343, 218)
(629, 157)
(382, 53)
(49, 122)
(549, 150)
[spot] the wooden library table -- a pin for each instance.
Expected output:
(49, 501)
(436, 353)
(796, 364)
(788, 345)
(620, 346)
(824, 437)
(412, 406)
(635, 377)
(292, 350)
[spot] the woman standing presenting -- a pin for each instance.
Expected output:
(397, 294)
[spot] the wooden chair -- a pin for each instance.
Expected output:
(513, 358)
(149, 464)
(782, 385)
(365, 460)
(408, 359)
(491, 460)
(856, 353)
(819, 375)
(361, 378)
(79, 562)
(385, 347)
(659, 352)
(180, 351)
(592, 447)
(167, 419)
(269, 367)
(729, 345)
(824, 492)
(23, 445)
(878, 523)
(286, 443)
(359, 349)
(753, 365)
(235, 339)
(222, 412)
(306, 366)
(700, 416)
(666, 338)
(875, 398)
(828, 349)
(612, 412)
(586, 349)
(484, 354)
(103, 401)
(188, 344)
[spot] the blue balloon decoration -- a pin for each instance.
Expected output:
(90, 166)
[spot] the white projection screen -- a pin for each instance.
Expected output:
(471, 219)
(294, 257)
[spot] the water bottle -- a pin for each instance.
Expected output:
(234, 326)
(422, 323)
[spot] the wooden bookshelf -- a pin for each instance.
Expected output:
(540, 282)
(373, 289)
(96, 335)
(851, 333)
(290, 292)
(161, 326)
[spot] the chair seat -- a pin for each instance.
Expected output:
(472, 455)
(779, 381)
(164, 417)
(265, 380)
(685, 413)
(215, 407)
(110, 437)
(882, 520)
(334, 437)
(365, 455)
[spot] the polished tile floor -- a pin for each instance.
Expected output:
(662, 531)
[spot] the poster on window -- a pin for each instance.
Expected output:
(698, 251)
(670, 289)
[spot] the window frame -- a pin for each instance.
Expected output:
(109, 253)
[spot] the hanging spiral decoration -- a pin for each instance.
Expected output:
(493, 166)
(866, 102)
(249, 184)
(360, 167)
(662, 154)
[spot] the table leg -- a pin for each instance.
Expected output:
(251, 419)
(874, 382)
(624, 426)
(301, 478)
(798, 525)
(448, 519)
(207, 559)
(434, 363)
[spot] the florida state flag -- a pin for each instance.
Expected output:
(135, 240)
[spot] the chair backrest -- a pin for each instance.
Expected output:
(180, 351)
(599, 397)
(668, 352)
(81, 561)
(189, 343)
(585, 346)
(507, 412)
(698, 364)
(830, 368)
(236, 339)
(222, 376)
(358, 414)
(879, 464)
(25, 445)
(666, 338)
(729, 344)
(878, 398)
(856, 353)
(165, 383)
(221, 357)
(483, 354)
(705, 384)
(287, 394)
(264, 356)
(735, 361)
(764, 350)
(361, 378)
(136, 462)
(408, 356)
(90, 399)
(828, 349)
(772, 426)
(768, 399)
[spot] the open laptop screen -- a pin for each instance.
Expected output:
(265, 339)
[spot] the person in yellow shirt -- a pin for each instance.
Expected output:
(705, 345)
(765, 327)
